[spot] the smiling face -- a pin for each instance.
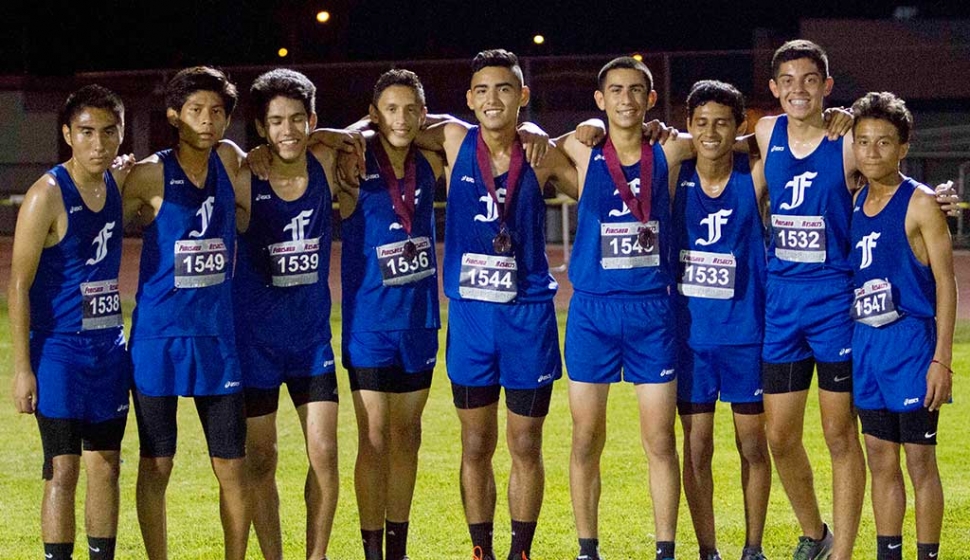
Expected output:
(878, 150)
(202, 119)
(713, 130)
(801, 87)
(626, 97)
(94, 136)
(496, 96)
(286, 128)
(399, 115)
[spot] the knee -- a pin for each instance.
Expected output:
(478, 445)
(842, 439)
(65, 474)
(322, 452)
(922, 468)
(106, 472)
(525, 446)
(782, 442)
(261, 460)
(754, 450)
(406, 438)
(155, 470)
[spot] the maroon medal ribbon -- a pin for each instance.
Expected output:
(503, 241)
(639, 205)
(403, 192)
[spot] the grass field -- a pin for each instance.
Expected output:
(437, 523)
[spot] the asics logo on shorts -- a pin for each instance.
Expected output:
(205, 213)
(798, 184)
(714, 221)
(624, 209)
(544, 377)
(231, 384)
(667, 372)
(867, 244)
(908, 402)
(101, 243)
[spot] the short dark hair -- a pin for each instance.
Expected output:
(501, 58)
(627, 62)
(398, 77)
(200, 78)
(282, 82)
(800, 48)
(886, 106)
(706, 91)
(94, 96)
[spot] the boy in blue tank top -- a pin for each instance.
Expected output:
(809, 178)
(621, 319)
(281, 299)
(501, 321)
(182, 336)
(904, 311)
(721, 262)
(390, 310)
(71, 368)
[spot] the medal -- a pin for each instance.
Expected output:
(645, 239)
(410, 250)
(502, 243)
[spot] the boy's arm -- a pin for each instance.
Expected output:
(35, 222)
(939, 250)
(144, 182)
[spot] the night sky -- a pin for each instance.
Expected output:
(60, 38)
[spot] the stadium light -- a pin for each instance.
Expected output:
(538, 39)
(323, 16)
(283, 52)
(638, 57)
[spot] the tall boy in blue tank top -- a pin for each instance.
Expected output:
(501, 321)
(182, 336)
(808, 291)
(71, 368)
(720, 255)
(621, 318)
(281, 299)
(904, 311)
(390, 309)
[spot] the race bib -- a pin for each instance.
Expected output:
(620, 249)
(200, 262)
(295, 263)
(488, 278)
(874, 305)
(799, 238)
(101, 305)
(707, 275)
(396, 269)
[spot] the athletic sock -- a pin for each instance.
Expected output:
(396, 546)
(481, 534)
(665, 549)
(708, 553)
(889, 548)
(101, 548)
(59, 551)
(373, 544)
(927, 551)
(589, 548)
(522, 534)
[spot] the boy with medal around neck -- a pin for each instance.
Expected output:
(183, 337)
(904, 311)
(621, 318)
(501, 321)
(71, 368)
(282, 302)
(390, 309)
